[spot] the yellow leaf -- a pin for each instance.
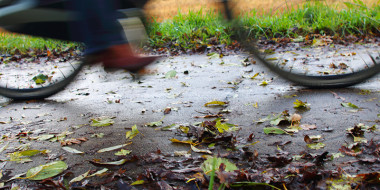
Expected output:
(215, 103)
(183, 142)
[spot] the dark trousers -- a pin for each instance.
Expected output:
(97, 24)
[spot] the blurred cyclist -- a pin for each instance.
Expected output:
(98, 28)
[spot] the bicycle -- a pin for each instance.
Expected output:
(18, 81)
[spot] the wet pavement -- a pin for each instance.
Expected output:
(199, 79)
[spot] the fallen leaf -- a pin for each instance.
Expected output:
(336, 155)
(45, 137)
(102, 122)
(264, 83)
(45, 171)
(113, 148)
(98, 135)
(200, 150)
(171, 74)
(274, 130)
(79, 178)
(308, 127)
(72, 150)
(301, 105)
(349, 105)
(131, 134)
(73, 141)
(215, 103)
(114, 163)
(214, 162)
(99, 173)
(183, 142)
(138, 182)
(350, 152)
(123, 152)
(316, 146)
(40, 79)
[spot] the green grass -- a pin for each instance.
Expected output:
(317, 18)
(22, 44)
(198, 29)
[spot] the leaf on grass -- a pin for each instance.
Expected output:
(274, 130)
(123, 152)
(215, 103)
(72, 150)
(45, 171)
(171, 74)
(113, 148)
(316, 146)
(138, 182)
(300, 104)
(350, 105)
(208, 165)
(131, 134)
(102, 122)
(200, 150)
(114, 163)
(79, 178)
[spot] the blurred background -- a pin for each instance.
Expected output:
(166, 9)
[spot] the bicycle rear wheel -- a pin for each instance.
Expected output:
(26, 80)
(313, 60)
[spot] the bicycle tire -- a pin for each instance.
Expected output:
(43, 91)
(370, 67)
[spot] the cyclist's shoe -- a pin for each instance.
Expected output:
(122, 57)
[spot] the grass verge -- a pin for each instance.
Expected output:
(22, 44)
(197, 29)
(201, 29)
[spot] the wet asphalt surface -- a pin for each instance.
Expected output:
(198, 80)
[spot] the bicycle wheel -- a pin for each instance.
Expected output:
(26, 80)
(313, 60)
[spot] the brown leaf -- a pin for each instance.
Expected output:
(307, 139)
(350, 152)
(73, 141)
(167, 111)
(308, 127)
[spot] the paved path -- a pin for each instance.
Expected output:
(199, 79)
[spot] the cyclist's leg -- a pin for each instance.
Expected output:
(98, 28)
(97, 25)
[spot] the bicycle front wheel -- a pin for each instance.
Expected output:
(316, 60)
(36, 79)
